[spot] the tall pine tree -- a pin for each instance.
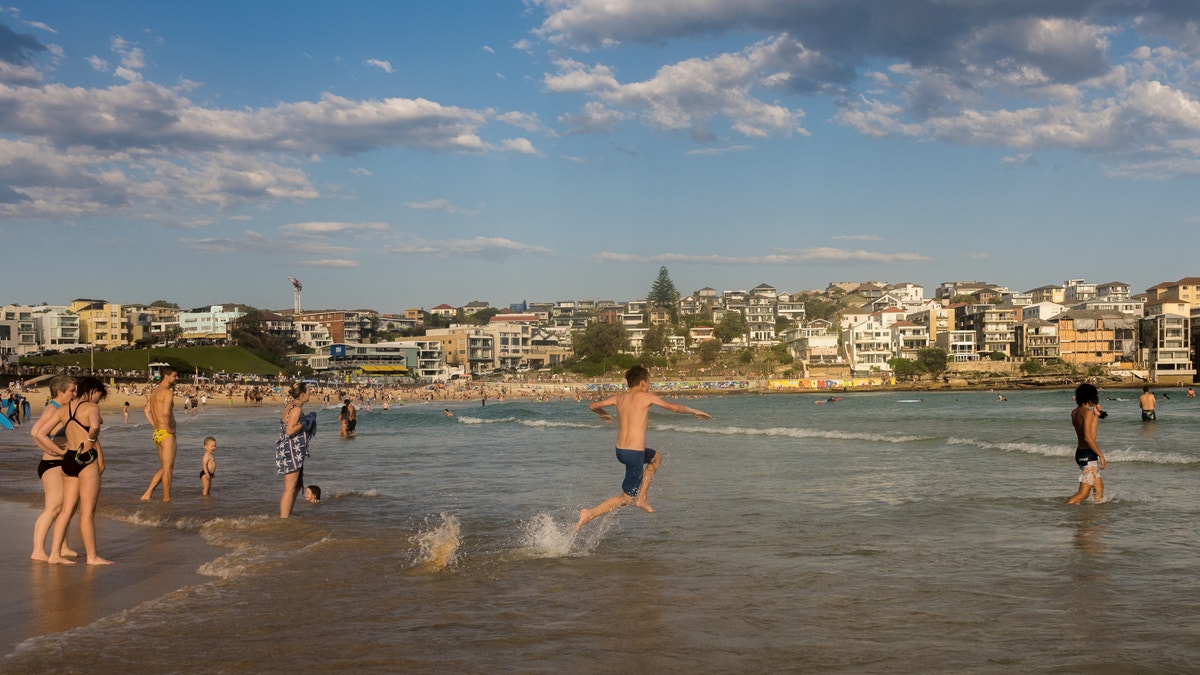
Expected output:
(664, 294)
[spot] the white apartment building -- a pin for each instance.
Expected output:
(57, 328)
(868, 346)
(209, 323)
(1166, 340)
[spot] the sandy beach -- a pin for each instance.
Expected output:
(40, 599)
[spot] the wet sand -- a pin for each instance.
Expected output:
(39, 599)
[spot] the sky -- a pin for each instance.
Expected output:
(409, 154)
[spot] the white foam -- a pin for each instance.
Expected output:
(545, 538)
(792, 432)
(1119, 455)
(438, 546)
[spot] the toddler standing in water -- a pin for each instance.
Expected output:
(208, 465)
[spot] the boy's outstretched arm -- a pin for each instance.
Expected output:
(679, 408)
(598, 407)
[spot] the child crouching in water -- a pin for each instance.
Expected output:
(208, 465)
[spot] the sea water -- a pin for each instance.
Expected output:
(908, 532)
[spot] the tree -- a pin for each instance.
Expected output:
(817, 307)
(733, 326)
(164, 304)
(709, 351)
(484, 316)
(664, 294)
(655, 341)
(600, 340)
(1031, 367)
(934, 359)
(906, 369)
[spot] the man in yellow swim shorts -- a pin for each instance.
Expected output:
(160, 412)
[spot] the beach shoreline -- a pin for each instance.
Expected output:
(42, 599)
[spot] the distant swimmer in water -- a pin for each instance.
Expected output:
(1191, 393)
(1149, 404)
(633, 410)
(1085, 418)
(1001, 397)
(447, 413)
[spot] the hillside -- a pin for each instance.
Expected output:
(186, 359)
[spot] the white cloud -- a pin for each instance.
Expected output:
(326, 229)
(857, 237)
(695, 91)
(811, 256)
(442, 205)
(385, 66)
(486, 248)
(328, 262)
(521, 145)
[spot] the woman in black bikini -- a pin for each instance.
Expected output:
(50, 437)
(82, 466)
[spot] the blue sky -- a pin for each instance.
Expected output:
(407, 154)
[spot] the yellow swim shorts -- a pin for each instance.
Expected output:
(160, 435)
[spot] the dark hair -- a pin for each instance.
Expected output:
(297, 389)
(316, 492)
(1087, 393)
(636, 375)
(84, 387)
(165, 371)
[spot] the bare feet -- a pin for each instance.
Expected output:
(59, 561)
(645, 506)
(98, 561)
(584, 516)
(39, 556)
(68, 553)
(146, 497)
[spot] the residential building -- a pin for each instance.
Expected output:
(470, 347)
(443, 310)
(1051, 294)
(791, 308)
(815, 343)
(209, 323)
(1186, 290)
(935, 318)
(21, 330)
(1166, 341)
(1091, 337)
(959, 345)
(868, 346)
(1043, 310)
(474, 306)
(1115, 290)
(1036, 340)
(57, 328)
(993, 328)
(908, 339)
(908, 293)
(759, 311)
(1076, 291)
(101, 323)
(344, 326)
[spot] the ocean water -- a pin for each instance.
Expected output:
(912, 532)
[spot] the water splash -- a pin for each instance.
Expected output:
(545, 538)
(438, 546)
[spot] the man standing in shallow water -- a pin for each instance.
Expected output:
(160, 411)
(633, 408)
(1149, 403)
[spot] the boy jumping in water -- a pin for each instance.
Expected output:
(640, 462)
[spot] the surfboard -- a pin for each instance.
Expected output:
(5, 423)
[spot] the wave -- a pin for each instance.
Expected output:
(1119, 455)
(538, 423)
(793, 432)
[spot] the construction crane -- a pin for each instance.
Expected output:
(296, 286)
